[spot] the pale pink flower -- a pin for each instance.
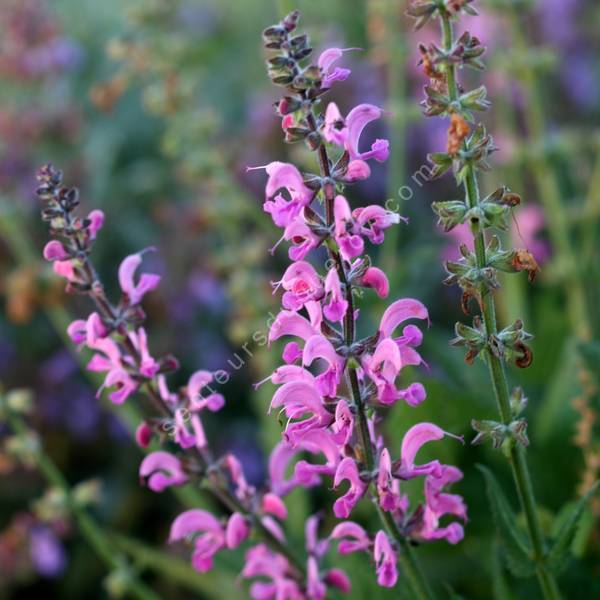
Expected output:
(329, 73)
(134, 292)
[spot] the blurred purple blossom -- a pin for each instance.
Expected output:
(47, 552)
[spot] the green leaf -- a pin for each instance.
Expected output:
(518, 553)
(500, 588)
(560, 553)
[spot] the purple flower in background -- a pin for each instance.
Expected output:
(47, 552)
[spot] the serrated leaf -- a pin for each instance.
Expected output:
(560, 552)
(518, 553)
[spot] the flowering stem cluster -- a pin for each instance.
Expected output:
(116, 335)
(468, 149)
(334, 384)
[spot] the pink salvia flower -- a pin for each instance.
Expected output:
(148, 366)
(123, 383)
(147, 281)
(272, 504)
(348, 471)
(375, 278)
(302, 238)
(385, 559)
(317, 441)
(54, 250)
(400, 311)
(387, 487)
(160, 470)
(65, 269)
(301, 284)
(320, 347)
(351, 245)
(96, 219)
(285, 176)
(337, 305)
(373, 220)
(329, 73)
(353, 538)
(347, 132)
(413, 440)
(206, 532)
(439, 503)
(237, 530)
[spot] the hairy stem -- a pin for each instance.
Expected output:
(517, 459)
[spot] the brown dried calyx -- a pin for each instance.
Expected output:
(457, 132)
(525, 261)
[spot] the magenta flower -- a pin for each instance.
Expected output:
(160, 470)
(54, 250)
(122, 382)
(383, 368)
(290, 323)
(343, 425)
(260, 561)
(388, 488)
(279, 460)
(347, 132)
(400, 311)
(375, 278)
(148, 366)
(134, 292)
(205, 533)
(237, 530)
(302, 283)
(373, 220)
(353, 538)
(348, 471)
(272, 504)
(299, 399)
(65, 268)
(439, 503)
(385, 560)
(336, 306)
(319, 347)
(351, 245)
(285, 176)
(413, 440)
(96, 219)
(199, 380)
(329, 73)
(317, 441)
(302, 239)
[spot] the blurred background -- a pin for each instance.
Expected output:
(154, 108)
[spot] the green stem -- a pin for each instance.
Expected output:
(91, 531)
(497, 372)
